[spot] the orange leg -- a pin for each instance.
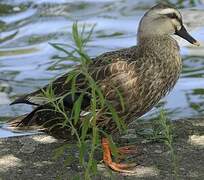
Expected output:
(108, 160)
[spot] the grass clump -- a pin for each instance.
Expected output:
(162, 131)
(167, 132)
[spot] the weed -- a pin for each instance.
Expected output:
(161, 130)
(85, 130)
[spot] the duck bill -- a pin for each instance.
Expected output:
(185, 35)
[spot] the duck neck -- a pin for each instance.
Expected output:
(158, 45)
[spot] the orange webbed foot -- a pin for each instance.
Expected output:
(119, 167)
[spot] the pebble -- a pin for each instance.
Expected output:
(158, 151)
(197, 140)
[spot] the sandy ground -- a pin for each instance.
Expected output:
(31, 157)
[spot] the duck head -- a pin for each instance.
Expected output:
(164, 19)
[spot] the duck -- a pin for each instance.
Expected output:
(143, 73)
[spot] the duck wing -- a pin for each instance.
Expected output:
(100, 69)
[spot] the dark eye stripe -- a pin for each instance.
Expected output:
(172, 16)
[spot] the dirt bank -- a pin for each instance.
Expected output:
(31, 157)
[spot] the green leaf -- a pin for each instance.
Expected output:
(57, 46)
(121, 99)
(77, 108)
(82, 150)
(94, 166)
(76, 37)
(119, 122)
(85, 127)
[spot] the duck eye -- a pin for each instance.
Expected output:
(172, 16)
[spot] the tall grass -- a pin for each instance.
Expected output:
(85, 128)
(163, 131)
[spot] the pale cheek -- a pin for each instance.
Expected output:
(176, 24)
(178, 27)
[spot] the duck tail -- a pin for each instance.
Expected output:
(24, 122)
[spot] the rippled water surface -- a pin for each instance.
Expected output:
(27, 27)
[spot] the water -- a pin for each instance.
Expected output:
(27, 27)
